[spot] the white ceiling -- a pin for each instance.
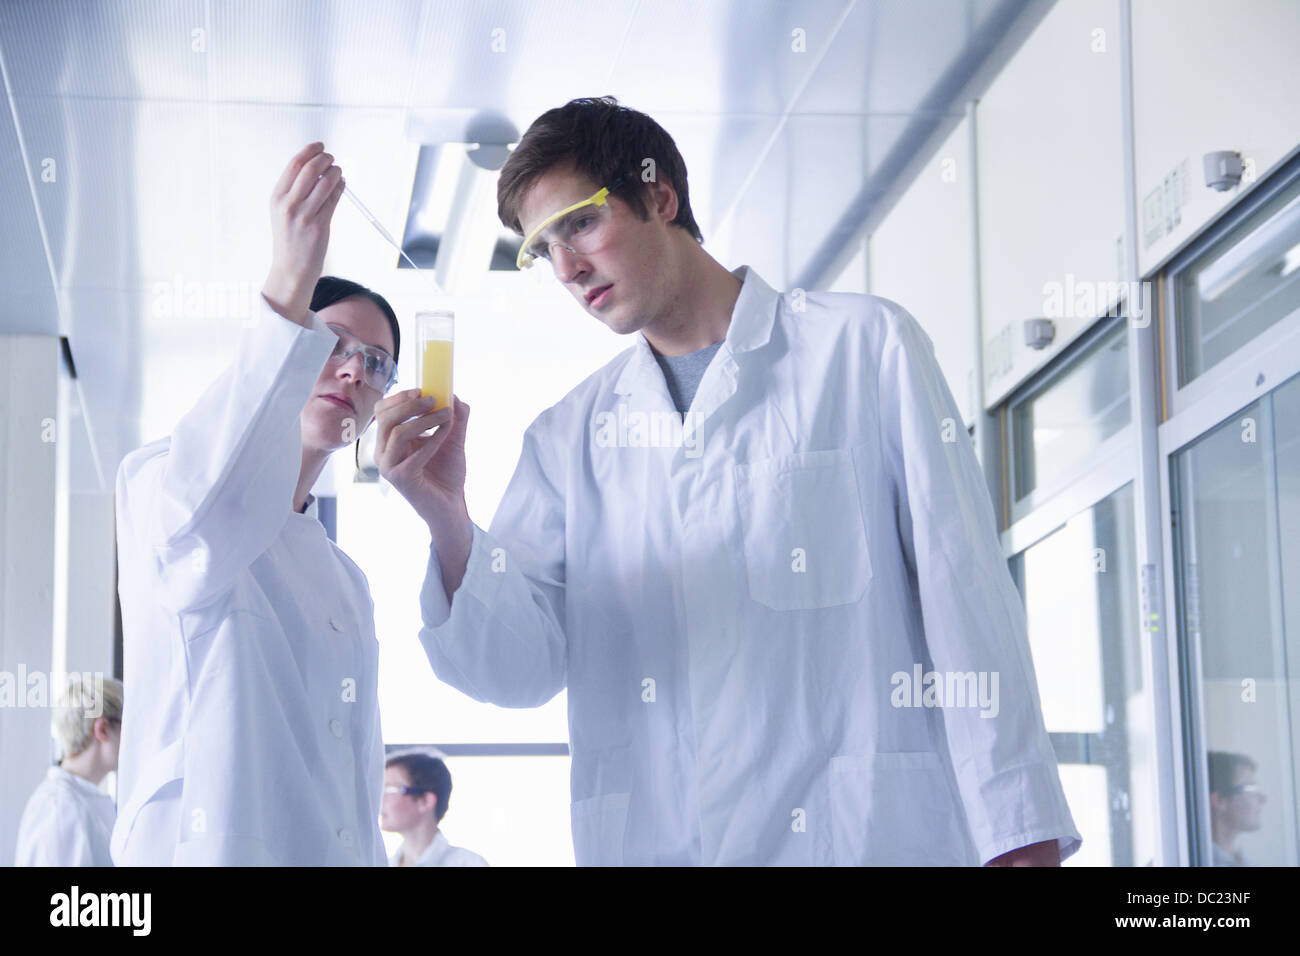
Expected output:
(164, 142)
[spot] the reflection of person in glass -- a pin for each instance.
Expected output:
(1235, 803)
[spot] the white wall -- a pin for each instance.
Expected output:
(920, 256)
(853, 277)
(85, 548)
(1207, 76)
(1050, 157)
(29, 365)
(91, 590)
(1051, 188)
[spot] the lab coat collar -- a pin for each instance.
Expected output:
(58, 774)
(432, 853)
(750, 328)
(754, 314)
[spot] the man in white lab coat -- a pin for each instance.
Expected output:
(68, 821)
(786, 628)
(252, 737)
(417, 792)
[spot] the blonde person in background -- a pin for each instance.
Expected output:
(417, 787)
(69, 820)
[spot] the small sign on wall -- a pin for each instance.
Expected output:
(997, 355)
(1162, 207)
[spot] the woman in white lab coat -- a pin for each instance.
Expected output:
(252, 736)
(68, 820)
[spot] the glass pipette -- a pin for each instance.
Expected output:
(379, 227)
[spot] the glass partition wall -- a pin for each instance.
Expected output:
(1228, 438)
(1231, 454)
(1073, 557)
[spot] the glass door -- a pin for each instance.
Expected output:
(1079, 585)
(1236, 529)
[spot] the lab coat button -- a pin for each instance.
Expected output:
(336, 728)
(345, 836)
(335, 624)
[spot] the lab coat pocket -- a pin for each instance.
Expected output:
(895, 809)
(804, 538)
(152, 801)
(599, 827)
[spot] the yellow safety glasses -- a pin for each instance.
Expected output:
(579, 228)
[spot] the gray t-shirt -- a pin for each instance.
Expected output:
(683, 373)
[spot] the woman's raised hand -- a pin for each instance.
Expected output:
(302, 205)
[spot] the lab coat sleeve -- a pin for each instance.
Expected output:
(225, 487)
(973, 617)
(502, 638)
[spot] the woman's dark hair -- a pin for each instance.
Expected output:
(429, 774)
(602, 140)
(330, 290)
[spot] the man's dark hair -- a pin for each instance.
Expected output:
(429, 774)
(330, 290)
(1223, 770)
(603, 141)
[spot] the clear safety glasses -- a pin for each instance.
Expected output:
(380, 369)
(580, 228)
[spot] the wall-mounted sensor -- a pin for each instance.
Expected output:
(1222, 169)
(1039, 333)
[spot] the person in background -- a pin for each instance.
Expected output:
(1235, 805)
(417, 787)
(68, 821)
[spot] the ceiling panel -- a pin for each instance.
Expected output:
(734, 57)
(790, 116)
(29, 304)
(718, 152)
(309, 52)
(251, 145)
(70, 48)
(121, 162)
(890, 54)
(812, 166)
(517, 58)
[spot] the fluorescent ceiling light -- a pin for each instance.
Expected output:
(1258, 251)
(451, 223)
